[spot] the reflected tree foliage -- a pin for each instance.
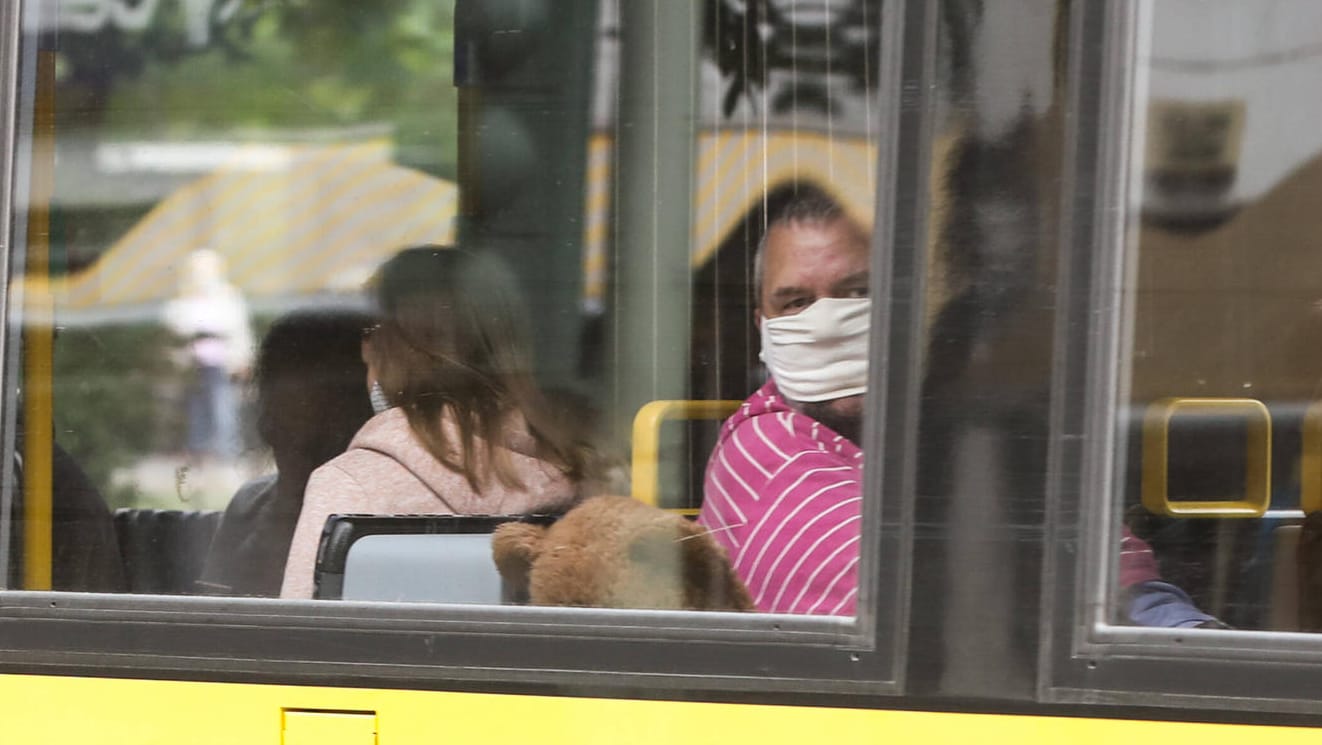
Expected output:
(268, 66)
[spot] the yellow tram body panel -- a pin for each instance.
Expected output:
(44, 709)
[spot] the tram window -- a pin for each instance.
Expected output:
(1220, 363)
(213, 266)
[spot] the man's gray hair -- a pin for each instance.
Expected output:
(793, 204)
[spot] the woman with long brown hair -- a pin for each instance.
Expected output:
(463, 427)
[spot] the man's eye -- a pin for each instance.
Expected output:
(798, 303)
(856, 292)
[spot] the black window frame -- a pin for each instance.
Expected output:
(379, 645)
(1086, 658)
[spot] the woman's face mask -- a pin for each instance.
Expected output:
(821, 353)
(378, 398)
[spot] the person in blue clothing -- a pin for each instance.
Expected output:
(1148, 599)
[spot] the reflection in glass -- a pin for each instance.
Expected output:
(195, 176)
(204, 185)
(1223, 288)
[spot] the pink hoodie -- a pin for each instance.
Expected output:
(387, 471)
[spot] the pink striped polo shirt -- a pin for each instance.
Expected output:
(783, 494)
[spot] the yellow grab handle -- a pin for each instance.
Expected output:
(39, 342)
(646, 472)
(1310, 462)
(1257, 458)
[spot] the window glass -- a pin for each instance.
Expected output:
(1222, 289)
(283, 261)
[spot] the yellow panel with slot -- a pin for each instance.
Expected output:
(313, 727)
(224, 713)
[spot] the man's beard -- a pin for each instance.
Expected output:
(849, 426)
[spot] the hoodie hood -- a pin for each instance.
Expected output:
(544, 487)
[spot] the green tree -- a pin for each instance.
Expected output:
(273, 66)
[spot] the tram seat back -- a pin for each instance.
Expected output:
(437, 568)
(164, 550)
(412, 558)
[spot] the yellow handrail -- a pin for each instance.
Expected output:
(1257, 458)
(38, 341)
(646, 472)
(1310, 461)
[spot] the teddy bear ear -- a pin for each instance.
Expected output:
(514, 547)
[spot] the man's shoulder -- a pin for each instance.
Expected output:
(782, 430)
(766, 436)
(768, 414)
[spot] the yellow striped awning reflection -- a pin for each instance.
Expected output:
(735, 170)
(321, 221)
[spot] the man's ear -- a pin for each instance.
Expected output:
(757, 318)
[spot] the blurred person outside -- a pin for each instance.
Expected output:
(310, 401)
(211, 320)
(462, 427)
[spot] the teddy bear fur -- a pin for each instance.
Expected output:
(616, 552)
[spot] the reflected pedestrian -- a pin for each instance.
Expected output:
(210, 319)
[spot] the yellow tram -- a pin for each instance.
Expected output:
(1097, 314)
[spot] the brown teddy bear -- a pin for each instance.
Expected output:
(616, 552)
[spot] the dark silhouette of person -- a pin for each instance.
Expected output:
(311, 399)
(84, 547)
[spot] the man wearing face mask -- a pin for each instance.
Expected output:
(783, 489)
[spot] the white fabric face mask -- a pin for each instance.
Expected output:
(820, 353)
